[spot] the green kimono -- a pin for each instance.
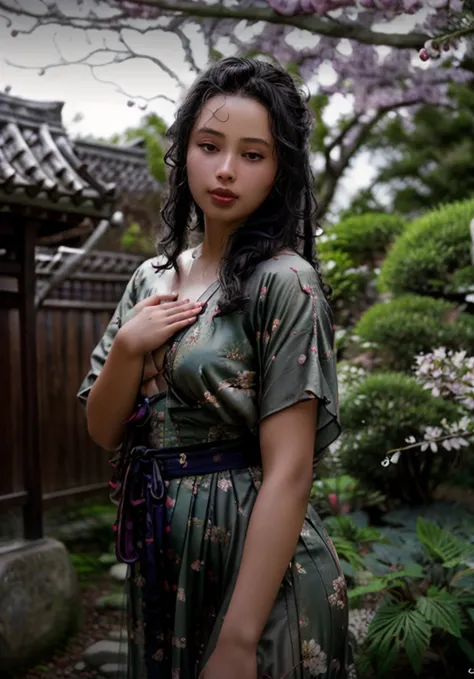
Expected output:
(225, 374)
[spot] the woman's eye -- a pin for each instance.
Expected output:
(208, 147)
(251, 155)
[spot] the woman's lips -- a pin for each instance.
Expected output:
(223, 200)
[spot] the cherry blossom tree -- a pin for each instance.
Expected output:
(380, 55)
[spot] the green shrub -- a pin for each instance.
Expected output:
(426, 257)
(364, 238)
(411, 324)
(378, 415)
(339, 271)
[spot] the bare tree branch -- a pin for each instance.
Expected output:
(175, 28)
(62, 20)
(339, 139)
(199, 10)
(92, 67)
(334, 170)
(129, 96)
(317, 25)
(155, 60)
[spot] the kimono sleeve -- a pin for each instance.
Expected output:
(295, 348)
(101, 351)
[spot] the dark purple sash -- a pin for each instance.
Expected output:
(143, 485)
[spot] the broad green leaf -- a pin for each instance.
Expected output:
(441, 610)
(415, 570)
(441, 544)
(360, 519)
(387, 660)
(377, 585)
(347, 569)
(381, 582)
(417, 639)
(397, 623)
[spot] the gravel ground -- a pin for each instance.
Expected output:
(96, 625)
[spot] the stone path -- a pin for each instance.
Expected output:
(109, 656)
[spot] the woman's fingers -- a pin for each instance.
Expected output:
(177, 325)
(181, 316)
(189, 308)
(174, 304)
(154, 300)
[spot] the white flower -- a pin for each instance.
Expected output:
(359, 621)
(224, 484)
(431, 433)
(448, 374)
(314, 658)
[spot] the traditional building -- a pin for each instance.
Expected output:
(53, 192)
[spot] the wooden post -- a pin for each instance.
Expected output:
(32, 510)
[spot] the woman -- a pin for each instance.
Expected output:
(230, 348)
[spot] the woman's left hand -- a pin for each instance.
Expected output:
(231, 661)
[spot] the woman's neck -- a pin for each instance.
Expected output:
(214, 242)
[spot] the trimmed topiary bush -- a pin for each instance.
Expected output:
(364, 238)
(427, 257)
(411, 324)
(346, 280)
(377, 415)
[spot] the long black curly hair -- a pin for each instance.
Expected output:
(287, 217)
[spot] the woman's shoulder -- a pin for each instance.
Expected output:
(284, 268)
(146, 277)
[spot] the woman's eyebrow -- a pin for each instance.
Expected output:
(251, 140)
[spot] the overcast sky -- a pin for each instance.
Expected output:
(105, 110)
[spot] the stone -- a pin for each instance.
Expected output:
(114, 602)
(113, 670)
(119, 572)
(40, 602)
(105, 652)
(118, 634)
(80, 666)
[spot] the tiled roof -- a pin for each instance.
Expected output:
(49, 260)
(126, 166)
(100, 278)
(39, 165)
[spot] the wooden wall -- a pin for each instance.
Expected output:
(70, 462)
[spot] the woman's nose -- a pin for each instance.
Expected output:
(226, 171)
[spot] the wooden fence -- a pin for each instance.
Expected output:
(68, 327)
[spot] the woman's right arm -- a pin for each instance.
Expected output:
(113, 394)
(112, 397)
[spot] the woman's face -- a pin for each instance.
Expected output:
(231, 151)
